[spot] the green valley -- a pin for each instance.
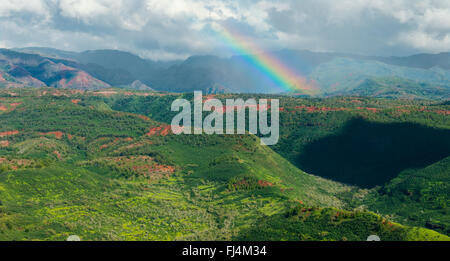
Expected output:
(104, 165)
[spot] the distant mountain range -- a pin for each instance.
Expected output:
(32, 70)
(417, 76)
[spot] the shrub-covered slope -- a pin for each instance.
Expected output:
(70, 163)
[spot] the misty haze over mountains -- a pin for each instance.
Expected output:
(417, 76)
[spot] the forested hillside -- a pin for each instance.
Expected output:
(104, 165)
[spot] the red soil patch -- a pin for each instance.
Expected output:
(263, 183)
(2, 79)
(15, 164)
(8, 133)
(75, 101)
(163, 130)
(163, 168)
(70, 137)
(144, 165)
(58, 134)
(153, 131)
(104, 146)
(443, 112)
(14, 105)
(58, 155)
(4, 143)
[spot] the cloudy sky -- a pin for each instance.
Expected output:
(175, 29)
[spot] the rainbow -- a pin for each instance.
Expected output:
(268, 64)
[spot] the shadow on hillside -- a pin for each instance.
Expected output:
(368, 154)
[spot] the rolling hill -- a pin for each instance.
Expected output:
(30, 70)
(397, 88)
(104, 166)
(417, 196)
(420, 76)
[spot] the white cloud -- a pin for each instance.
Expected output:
(85, 8)
(161, 55)
(177, 8)
(424, 41)
(438, 19)
(9, 7)
(178, 28)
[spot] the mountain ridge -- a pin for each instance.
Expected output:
(334, 73)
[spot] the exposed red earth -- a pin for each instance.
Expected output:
(58, 155)
(144, 165)
(9, 133)
(104, 146)
(443, 112)
(57, 134)
(162, 130)
(107, 145)
(263, 183)
(15, 164)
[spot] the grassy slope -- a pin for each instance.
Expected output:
(330, 224)
(362, 141)
(84, 192)
(417, 197)
(394, 88)
(69, 196)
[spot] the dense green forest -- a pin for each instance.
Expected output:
(105, 166)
